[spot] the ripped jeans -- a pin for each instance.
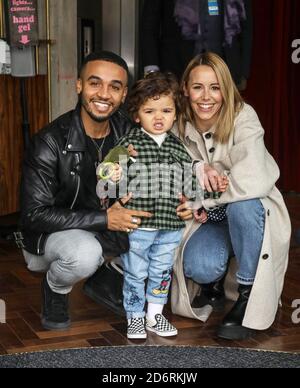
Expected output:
(151, 256)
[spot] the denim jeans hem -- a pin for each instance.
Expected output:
(135, 315)
(245, 282)
(151, 299)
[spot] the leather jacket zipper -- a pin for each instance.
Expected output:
(73, 203)
(78, 182)
(39, 243)
(77, 192)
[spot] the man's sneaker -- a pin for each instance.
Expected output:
(161, 326)
(55, 307)
(136, 328)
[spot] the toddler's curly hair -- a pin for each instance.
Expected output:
(153, 86)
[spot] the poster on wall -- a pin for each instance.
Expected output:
(22, 19)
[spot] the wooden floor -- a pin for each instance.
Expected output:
(94, 325)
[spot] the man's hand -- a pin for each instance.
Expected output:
(124, 220)
(184, 210)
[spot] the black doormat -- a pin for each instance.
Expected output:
(152, 357)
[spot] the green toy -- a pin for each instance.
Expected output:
(106, 169)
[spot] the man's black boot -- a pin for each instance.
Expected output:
(231, 327)
(212, 294)
(55, 314)
(106, 287)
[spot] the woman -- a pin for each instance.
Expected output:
(220, 129)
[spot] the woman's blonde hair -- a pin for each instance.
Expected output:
(232, 100)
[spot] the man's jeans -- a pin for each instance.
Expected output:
(151, 256)
(241, 235)
(70, 257)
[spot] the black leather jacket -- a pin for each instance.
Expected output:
(58, 181)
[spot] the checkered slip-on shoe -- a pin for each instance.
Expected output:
(161, 326)
(136, 328)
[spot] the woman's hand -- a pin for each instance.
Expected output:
(210, 179)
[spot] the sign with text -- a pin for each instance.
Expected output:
(23, 22)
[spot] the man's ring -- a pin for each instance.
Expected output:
(135, 221)
(129, 231)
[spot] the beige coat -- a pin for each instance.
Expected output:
(253, 173)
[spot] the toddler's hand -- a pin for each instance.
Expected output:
(223, 185)
(133, 153)
(201, 216)
(117, 174)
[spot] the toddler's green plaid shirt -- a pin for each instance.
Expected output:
(158, 190)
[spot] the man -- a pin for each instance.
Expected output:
(170, 41)
(60, 212)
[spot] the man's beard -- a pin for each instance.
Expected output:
(98, 119)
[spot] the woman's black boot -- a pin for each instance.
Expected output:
(231, 327)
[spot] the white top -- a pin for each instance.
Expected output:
(159, 139)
